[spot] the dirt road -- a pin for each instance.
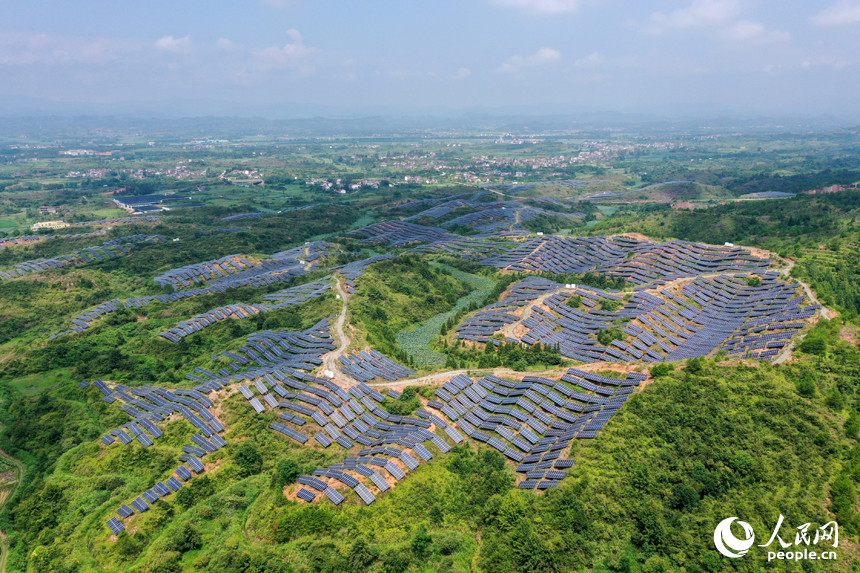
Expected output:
(330, 360)
(508, 329)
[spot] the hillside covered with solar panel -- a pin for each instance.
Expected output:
(381, 387)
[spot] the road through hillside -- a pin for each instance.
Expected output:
(331, 359)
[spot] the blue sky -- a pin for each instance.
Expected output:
(558, 56)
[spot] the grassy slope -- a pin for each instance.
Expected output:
(396, 294)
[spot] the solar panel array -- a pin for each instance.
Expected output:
(264, 278)
(150, 405)
(400, 233)
(281, 299)
(531, 422)
(704, 316)
(245, 216)
(186, 276)
(483, 324)
(203, 232)
(355, 269)
(7, 242)
(108, 250)
(368, 365)
(638, 261)
(351, 420)
(435, 201)
(500, 216)
(474, 248)
(237, 271)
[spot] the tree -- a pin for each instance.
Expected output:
(607, 335)
(395, 561)
(286, 472)
(186, 538)
(662, 369)
(684, 497)
(852, 425)
(834, 400)
(361, 555)
(695, 365)
(248, 458)
(805, 387)
(421, 542)
(815, 345)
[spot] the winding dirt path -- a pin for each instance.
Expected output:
(508, 329)
(786, 272)
(330, 360)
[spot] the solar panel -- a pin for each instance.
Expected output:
(140, 505)
(306, 494)
(394, 470)
(196, 464)
(161, 489)
(365, 494)
(115, 525)
(333, 495)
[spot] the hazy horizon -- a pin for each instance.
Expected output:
(283, 58)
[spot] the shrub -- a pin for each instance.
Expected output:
(662, 369)
(248, 458)
(805, 387)
(421, 542)
(815, 345)
(186, 538)
(607, 335)
(286, 472)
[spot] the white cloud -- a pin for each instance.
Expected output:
(23, 49)
(225, 44)
(544, 6)
(841, 13)
(462, 74)
(700, 13)
(295, 56)
(540, 58)
(174, 45)
(746, 31)
(590, 61)
(277, 4)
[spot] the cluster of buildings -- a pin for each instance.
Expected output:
(243, 177)
(84, 152)
(147, 203)
(42, 225)
(338, 186)
(96, 173)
